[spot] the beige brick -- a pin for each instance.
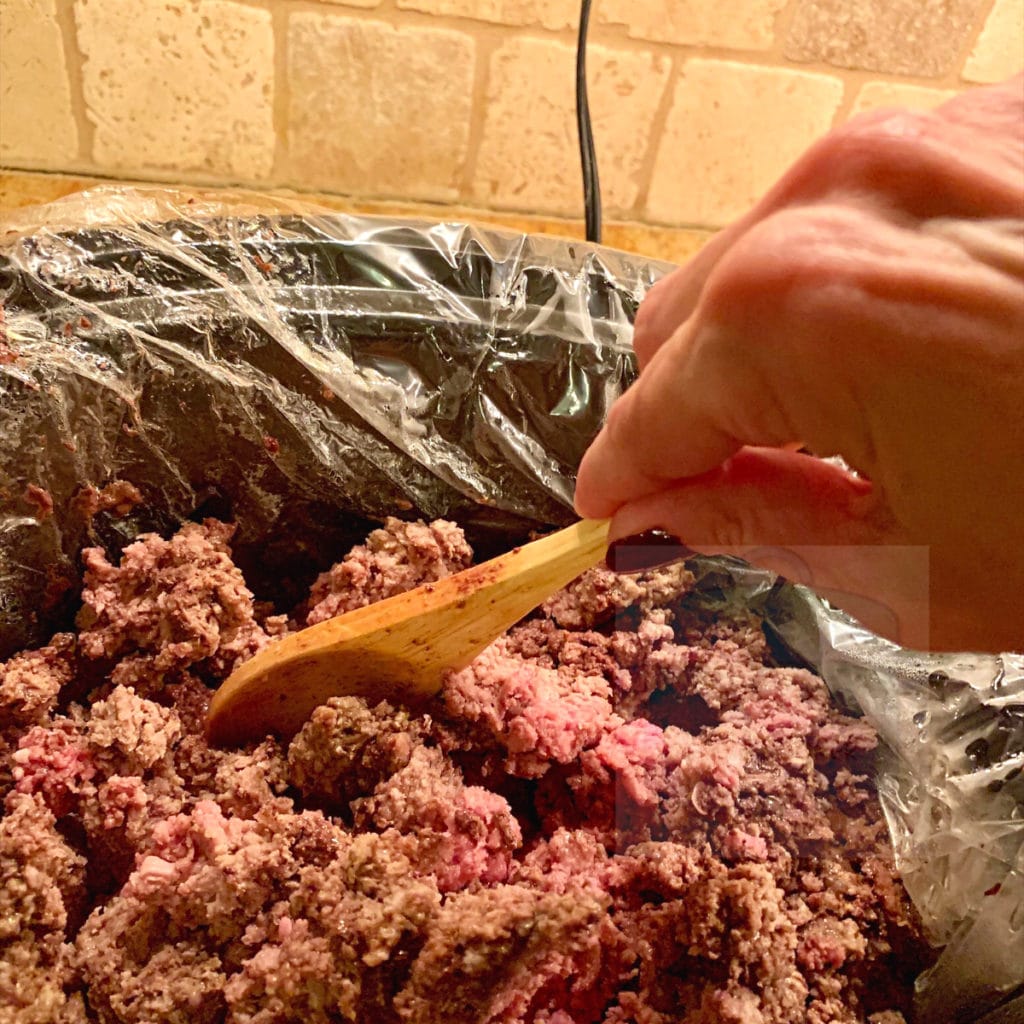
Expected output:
(37, 125)
(378, 110)
(732, 130)
(740, 24)
(906, 37)
(999, 51)
(529, 157)
(898, 94)
(547, 13)
(174, 85)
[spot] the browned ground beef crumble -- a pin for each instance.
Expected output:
(620, 813)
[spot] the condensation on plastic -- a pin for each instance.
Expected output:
(951, 784)
(305, 373)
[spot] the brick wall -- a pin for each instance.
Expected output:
(697, 104)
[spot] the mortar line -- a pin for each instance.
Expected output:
(645, 175)
(784, 19)
(279, 22)
(614, 35)
(854, 81)
(74, 62)
(484, 49)
(970, 41)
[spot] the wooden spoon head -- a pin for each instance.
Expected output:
(399, 649)
(278, 697)
(384, 651)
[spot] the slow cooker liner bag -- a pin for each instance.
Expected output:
(305, 374)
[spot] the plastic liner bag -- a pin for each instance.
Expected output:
(306, 373)
(950, 780)
(297, 370)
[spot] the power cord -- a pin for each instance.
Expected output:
(588, 157)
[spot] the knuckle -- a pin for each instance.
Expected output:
(645, 343)
(771, 254)
(618, 424)
(867, 150)
(647, 312)
(658, 315)
(791, 255)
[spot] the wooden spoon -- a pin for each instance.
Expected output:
(399, 648)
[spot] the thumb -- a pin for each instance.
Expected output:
(808, 520)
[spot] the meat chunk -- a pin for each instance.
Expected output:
(169, 604)
(394, 559)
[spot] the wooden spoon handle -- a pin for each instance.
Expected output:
(402, 647)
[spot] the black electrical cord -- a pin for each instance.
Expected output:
(588, 158)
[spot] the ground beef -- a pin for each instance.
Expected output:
(170, 604)
(40, 500)
(623, 812)
(394, 559)
(42, 895)
(347, 748)
(599, 595)
(8, 355)
(118, 497)
(30, 682)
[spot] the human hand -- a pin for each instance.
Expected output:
(870, 306)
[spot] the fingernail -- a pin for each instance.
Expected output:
(644, 551)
